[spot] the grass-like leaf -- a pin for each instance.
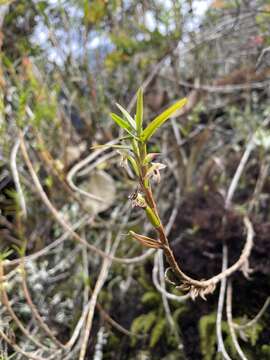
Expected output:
(160, 119)
(139, 111)
(127, 116)
(122, 123)
(4, 254)
(134, 165)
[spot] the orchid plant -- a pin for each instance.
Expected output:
(146, 170)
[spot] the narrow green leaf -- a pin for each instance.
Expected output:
(160, 119)
(126, 137)
(5, 254)
(134, 165)
(122, 123)
(127, 116)
(135, 148)
(139, 111)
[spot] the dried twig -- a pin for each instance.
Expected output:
(221, 298)
(92, 304)
(230, 322)
(166, 305)
(255, 319)
(250, 146)
(81, 164)
(250, 235)
(178, 298)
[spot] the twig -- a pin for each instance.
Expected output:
(224, 89)
(238, 173)
(83, 172)
(255, 319)
(99, 284)
(230, 322)
(170, 296)
(81, 164)
(86, 310)
(249, 242)
(105, 315)
(97, 162)
(164, 293)
(114, 323)
(221, 298)
(49, 163)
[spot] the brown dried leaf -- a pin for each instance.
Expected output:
(146, 241)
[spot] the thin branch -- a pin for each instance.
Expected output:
(91, 167)
(166, 305)
(180, 298)
(239, 171)
(224, 89)
(99, 284)
(81, 164)
(230, 193)
(230, 322)
(255, 319)
(221, 298)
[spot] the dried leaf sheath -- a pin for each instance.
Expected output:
(146, 241)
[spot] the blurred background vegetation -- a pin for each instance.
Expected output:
(63, 66)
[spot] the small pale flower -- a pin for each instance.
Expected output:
(154, 172)
(137, 200)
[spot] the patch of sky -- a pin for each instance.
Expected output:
(71, 42)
